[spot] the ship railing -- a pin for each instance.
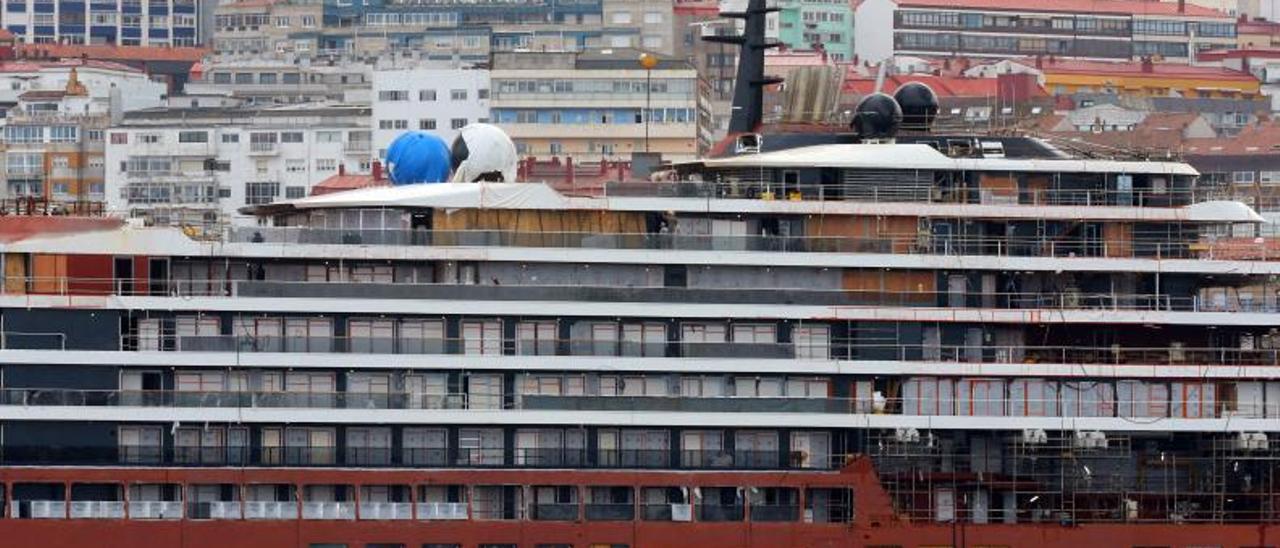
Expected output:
(1154, 246)
(551, 511)
(226, 509)
(155, 509)
(328, 510)
(258, 509)
(947, 396)
(1218, 300)
(836, 349)
(710, 511)
(441, 511)
(386, 510)
(97, 509)
(775, 512)
(39, 509)
(908, 190)
(666, 511)
(601, 511)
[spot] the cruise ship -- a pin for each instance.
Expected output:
(927, 340)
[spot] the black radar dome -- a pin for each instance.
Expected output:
(877, 117)
(919, 105)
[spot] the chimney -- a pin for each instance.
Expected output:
(1039, 62)
(342, 169)
(1148, 65)
(1182, 6)
(377, 170)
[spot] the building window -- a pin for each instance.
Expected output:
(621, 17)
(393, 95)
(149, 138)
(291, 137)
(230, 137)
(457, 95)
(64, 134)
(482, 93)
(295, 165)
(426, 95)
(295, 192)
(260, 193)
(427, 124)
(268, 78)
(326, 164)
(393, 124)
(193, 136)
(458, 123)
(119, 138)
(244, 77)
(652, 17)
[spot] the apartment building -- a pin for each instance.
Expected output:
(122, 22)
(639, 24)
(284, 79)
(54, 132)
(594, 105)
(823, 25)
(198, 166)
(1096, 29)
(440, 31)
(437, 100)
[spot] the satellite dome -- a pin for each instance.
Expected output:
(919, 105)
(877, 117)
(418, 157)
(483, 152)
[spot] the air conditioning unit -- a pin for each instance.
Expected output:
(1090, 440)
(1035, 436)
(1251, 441)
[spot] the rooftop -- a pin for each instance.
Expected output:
(1139, 69)
(35, 65)
(943, 86)
(1105, 7)
(111, 53)
(1262, 139)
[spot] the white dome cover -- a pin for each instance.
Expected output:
(481, 149)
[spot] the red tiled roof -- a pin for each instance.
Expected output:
(5, 34)
(112, 53)
(1159, 131)
(1253, 140)
(1117, 7)
(943, 86)
(34, 65)
(1136, 68)
(342, 182)
(1257, 27)
(1221, 54)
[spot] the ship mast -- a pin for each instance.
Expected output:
(748, 90)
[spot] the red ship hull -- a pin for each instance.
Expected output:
(874, 524)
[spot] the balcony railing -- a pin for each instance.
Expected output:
(838, 349)
(1153, 247)
(911, 190)
(329, 510)
(955, 402)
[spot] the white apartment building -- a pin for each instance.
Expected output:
(198, 166)
(131, 88)
(122, 22)
(438, 100)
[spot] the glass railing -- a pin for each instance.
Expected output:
(1090, 398)
(840, 349)
(1154, 246)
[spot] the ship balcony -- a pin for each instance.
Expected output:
(907, 189)
(386, 510)
(264, 510)
(610, 503)
(441, 511)
(913, 244)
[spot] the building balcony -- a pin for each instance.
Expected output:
(263, 149)
(329, 510)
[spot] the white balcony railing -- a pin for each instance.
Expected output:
(386, 510)
(258, 509)
(328, 510)
(156, 509)
(224, 510)
(97, 509)
(442, 510)
(45, 509)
